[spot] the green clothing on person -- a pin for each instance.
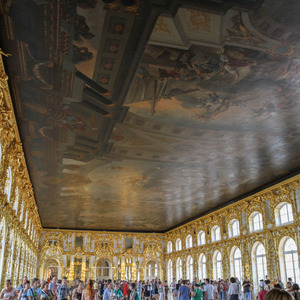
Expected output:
(198, 295)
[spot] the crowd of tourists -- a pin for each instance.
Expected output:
(233, 289)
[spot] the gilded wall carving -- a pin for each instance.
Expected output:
(80, 254)
(20, 225)
(26, 248)
(270, 236)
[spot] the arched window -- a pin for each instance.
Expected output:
(255, 221)
(284, 213)
(217, 261)
(189, 268)
(202, 266)
(16, 204)
(22, 212)
(169, 247)
(259, 264)
(7, 187)
(178, 245)
(236, 263)
(216, 234)
(179, 269)
(233, 228)
(170, 271)
(189, 242)
(26, 220)
(289, 265)
(103, 268)
(201, 238)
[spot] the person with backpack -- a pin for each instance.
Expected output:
(23, 291)
(46, 293)
(133, 294)
(34, 293)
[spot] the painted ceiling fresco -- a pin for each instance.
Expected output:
(210, 112)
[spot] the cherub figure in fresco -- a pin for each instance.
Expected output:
(81, 54)
(73, 122)
(236, 63)
(82, 29)
(213, 105)
(239, 33)
(193, 67)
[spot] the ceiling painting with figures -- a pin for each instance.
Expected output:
(142, 121)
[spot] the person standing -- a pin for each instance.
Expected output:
(262, 293)
(125, 290)
(23, 292)
(247, 288)
(161, 291)
(53, 286)
(295, 291)
(107, 292)
(209, 290)
(233, 291)
(22, 285)
(183, 292)
(34, 293)
(77, 292)
(173, 288)
(133, 293)
(9, 292)
(116, 293)
(46, 293)
(63, 290)
(139, 288)
(197, 293)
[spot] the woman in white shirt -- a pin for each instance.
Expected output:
(233, 291)
(9, 292)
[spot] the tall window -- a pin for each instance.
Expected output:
(179, 269)
(170, 271)
(255, 221)
(189, 268)
(284, 213)
(16, 199)
(201, 238)
(236, 263)
(178, 245)
(289, 259)
(216, 233)
(22, 212)
(259, 264)
(234, 228)
(0, 154)
(169, 247)
(7, 187)
(102, 268)
(217, 261)
(26, 219)
(202, 266)
(189, 242)
(152, 269)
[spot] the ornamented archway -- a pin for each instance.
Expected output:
(51, 268)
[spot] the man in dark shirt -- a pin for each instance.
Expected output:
(247, 288)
